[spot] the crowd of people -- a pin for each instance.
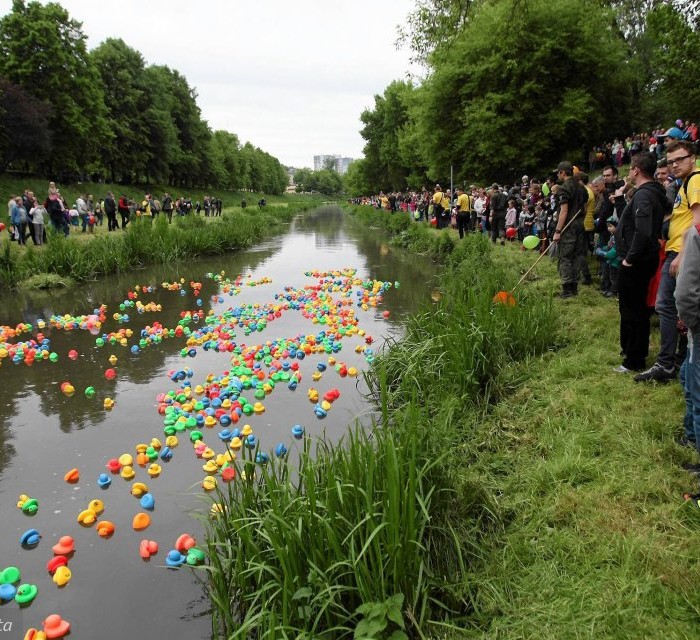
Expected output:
(644, 232)
(29, 217)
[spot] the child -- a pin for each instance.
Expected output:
(611, 264)
(511, 218)
(527, 219)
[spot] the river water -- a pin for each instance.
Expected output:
(113, 593)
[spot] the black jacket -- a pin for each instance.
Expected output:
(639, 229)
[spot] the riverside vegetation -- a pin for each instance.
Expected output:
(81, 257)
(510, 486)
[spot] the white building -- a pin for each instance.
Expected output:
(341, 164)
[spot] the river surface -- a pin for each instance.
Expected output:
(113, 593)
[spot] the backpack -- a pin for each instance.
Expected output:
(687, 181)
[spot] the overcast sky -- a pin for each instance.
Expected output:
(292, 77)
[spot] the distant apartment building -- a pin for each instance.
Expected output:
(340, 164)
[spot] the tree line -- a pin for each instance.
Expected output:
(67, 113)
(515, 86)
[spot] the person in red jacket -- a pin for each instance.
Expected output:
(123, 208)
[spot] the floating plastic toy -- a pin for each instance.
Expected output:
(298, 431)
(28, 505)
(55, 626)
(55, 563)
(127, 472)
(62, 576)
(175, 559)
(7, 592)
(147, 548)
(209, 483)
(148, 502)
(105, 528)
(103, 480)
(72, 476)
(64, 546)
(138, 489)
(30, 538)
(141, 521)
(185, 542)
(26, 594)
(10, 575)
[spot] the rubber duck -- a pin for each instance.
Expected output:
(142, 459)
(331, 361)
(228, 474)
(210, 422)
(55, 626)
(312, 395)
(210, 466)
(148, 502)
(7, 592)
(108, 403)
(87, 518)
(216, 510)
(126, 460)
(246, 430)
(114, 465)
(151, 454)
(156, 444)
(141, 448)
(22, 500)
(281, 450)
(171, 441)
(208, 453)
(147, 548)
(112, 359)
(138, 489)
(62, 576)
(127, 472)
(154, 470)
(10, 575)
(316, 376)
(236, 443)
(34, 634)
(64, 546)
(175, 559)
(320, 412)
(55, 563)
(185, 542)
(225, 435)
(196, 435)
(30, 538)
(251, 441)
(352, 372)
(325, 405)
(209, 483)
(25, 594)
(166, 454)
(261, 457)
(195, 557)
(103, 481)
(105, 528)
(141, 521)
(30, 506)
(225, 420)
(72, 476)
(96, 506)
(298, 431)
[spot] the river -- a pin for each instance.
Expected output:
(113, 593)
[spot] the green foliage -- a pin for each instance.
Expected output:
(381, 620)
(539, 96)
(43, 50)
(326, 181)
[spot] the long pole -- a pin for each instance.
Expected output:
(452, 191)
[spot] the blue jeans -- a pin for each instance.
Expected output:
(668, 316)
(690, 378)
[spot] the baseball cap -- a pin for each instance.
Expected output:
(565, 165)
(673, 132)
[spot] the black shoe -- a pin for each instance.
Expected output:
(684, 441)
(656, 373)
(566, 291)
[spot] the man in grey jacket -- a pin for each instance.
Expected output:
(688, 305)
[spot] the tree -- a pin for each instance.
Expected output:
(357, 182)
(301, 180)
(24, 126)
(543, 94)
(122, 73)
(43, 50)
(329, 163)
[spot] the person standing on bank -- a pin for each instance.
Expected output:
(637, 242)
(680, 157)
(569, 232)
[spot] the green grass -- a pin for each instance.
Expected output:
(145, 241)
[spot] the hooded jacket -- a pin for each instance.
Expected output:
(639, 229)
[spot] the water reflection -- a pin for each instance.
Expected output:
(43, 433)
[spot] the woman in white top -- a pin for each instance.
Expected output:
(39, 216)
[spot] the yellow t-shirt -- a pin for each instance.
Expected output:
(463, 203)
(437, 198)
(682, 216)
(588, 223)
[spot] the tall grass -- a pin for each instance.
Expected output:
(144, 242)
(389, 515)
(299, 552)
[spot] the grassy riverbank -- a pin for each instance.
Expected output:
(86, 256)
(593, 539)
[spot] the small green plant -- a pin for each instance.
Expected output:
(382, 620)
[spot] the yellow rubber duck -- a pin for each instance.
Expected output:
(171, 441)
(62, 576)
(138, 489)
(126, 460)
(209, 483)
(154, 470)
(87, 517)
(210, 466)
(127, 472)
(246, 430)
(96, 506)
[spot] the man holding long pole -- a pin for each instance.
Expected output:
(569, 233)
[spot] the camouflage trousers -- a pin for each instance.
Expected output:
(572, 250)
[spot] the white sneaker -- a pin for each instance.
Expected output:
(622, 369)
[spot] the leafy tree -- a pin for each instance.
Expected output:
(542, 94)
(382, 129)
(301, 179)
(24, 126)
(43, 50)
(122, 72)
(357, 182)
